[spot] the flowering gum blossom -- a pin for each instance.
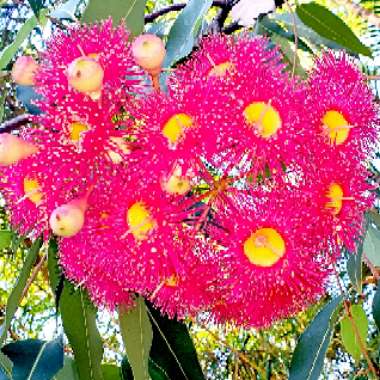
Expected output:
(13, 149)
(67, 220)
(264, 117)
(336, 127)
(175, 127)
(264, 247)
(140, 221)
(24, 70)
(85, 75)
(149, 52)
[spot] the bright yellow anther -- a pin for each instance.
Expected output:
(264, 117)
(221, 70)
(175, 127)
(76, 129)
(32, 190)
(335, 127)
(140, 221)
(264, 247)
(335, 194)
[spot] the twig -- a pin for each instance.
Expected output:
(15, 123)
(175, 8)
(373, 77)
(295, 32)
(35, 272)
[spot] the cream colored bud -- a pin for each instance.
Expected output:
(13, 149)
(24, 70)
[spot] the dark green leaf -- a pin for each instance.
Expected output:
(330, 26)
(350, 333)
(354, 267)
(5, 239)
(15, 297)
(173, 351)
(371, 245)
(185, 30)
(68, 372)
(111, 372)
(34, 359)
(27, 95)
(376, 306)
(79, 323)
(137, 334)
(36, 6)
(132, 11)
(308, 357)
(5, 367)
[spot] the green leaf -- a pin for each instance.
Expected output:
(173, 351)
(68, 372)
(371, 245)
(376, 306)
(34, 359)
(5, 239)
(137, 334)
(354, 267)
(309, 355)
(185, 30)
(6, 366)
(349, 334)
(79, 323)
(289, 53)
(36, 6)
(330, 26)
(111, 372)
(16, 294)
(132, 11)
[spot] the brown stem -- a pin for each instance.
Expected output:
(35, 272)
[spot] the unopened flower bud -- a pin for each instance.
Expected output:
(85, 75)
(67, 220)
(24, 70)
(13, 149)
(149, 52)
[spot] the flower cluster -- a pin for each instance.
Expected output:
(232, 192)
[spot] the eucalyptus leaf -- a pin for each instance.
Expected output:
(68, 372)
(371, 245)
(37, 6)
(111, 372)
(5, 239)
(27, 95)
(131, 11)
(16, 294)
(185, 30)
(350, 333)
(137, 334)
(35, 359)
(330, 26)
(6, 366)
(310, 352)
(376, 306)
(354, 267)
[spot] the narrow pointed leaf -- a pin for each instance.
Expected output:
(111, 372)
(185, 30)
(16, 295)
(376, 306)
(371, 245)
(350, 337)
(330, 26)
(34, 359)
(131, 11)
(137, 334)
(5, 239)
(354, 268)
(5, 367)
(310, 352)
(68, 372)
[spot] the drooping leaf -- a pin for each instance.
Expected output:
(376, 306)
(371, 245)
(16, 294)
(185, 30)
(79, 323)
(310, 352)
(131, 11)
(5, 367)
(354, 267)
(68, 372)
(330, 26)
(351, 327)
(5, 239)
(27, 95)
(36, 6)
(111, 372)
(34, 359)
(289, 54)
(137, 334)
(173, 351)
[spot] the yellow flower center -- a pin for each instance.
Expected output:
(171, 281)
(335, 127)
(32, 190)
(76, 130)
(177, 184)
(140, 221)
(221, 70)
(264, 117)
(335, 195)
(264, 247)
(175, 127)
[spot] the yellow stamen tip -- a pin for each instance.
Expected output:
(335, 195)
(76, 129)
(336, 127)
(32, 190)
(140, 221)
(221, 70)
(175, 127)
